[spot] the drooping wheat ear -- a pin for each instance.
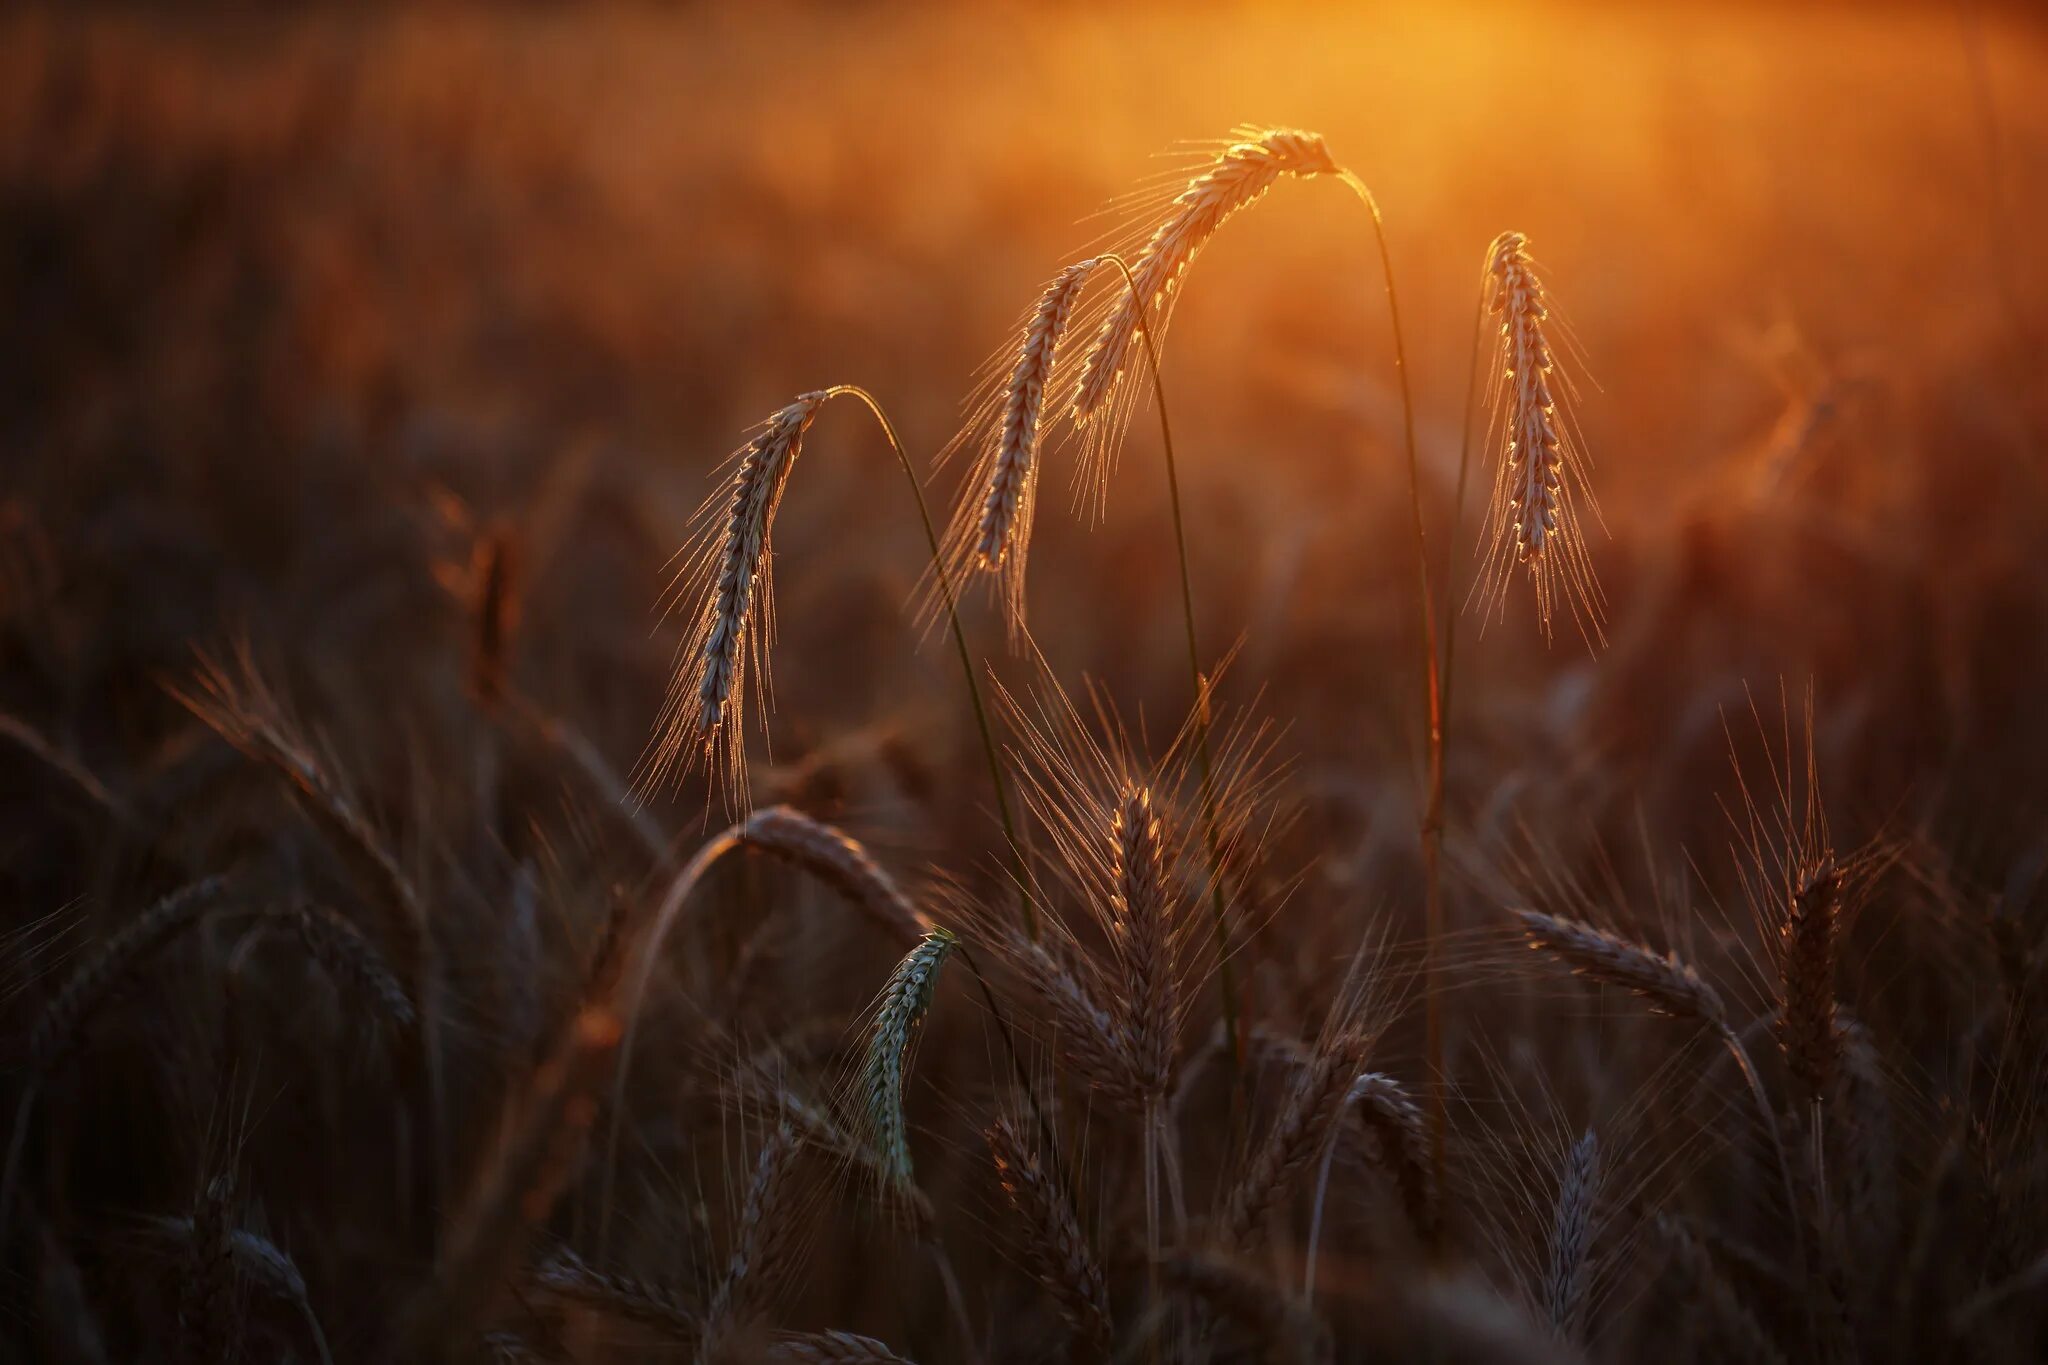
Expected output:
(1142, 916)
(840, 861)
(1060, 1256)
(264, 1263)
(1668, 984)
(1240, 174)
(92, 981)
(1807, 1028)
(1532, 520)
(1387, 1112)
(1403, 1150)
(339, 947)
(763, 1247)
(905, 998)
(1567, 1277)
(699, 715)
(1001, 529)
(1086, 1034)
(1730, 1317)
(1298, 1131)
(567, 1277)
(832, 1348)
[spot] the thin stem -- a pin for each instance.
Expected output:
(1452, 545)
(1226, 975)
(988, 743)
(1733, 1043)
(1433, 812)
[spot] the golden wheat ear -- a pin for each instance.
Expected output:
(1534, 520)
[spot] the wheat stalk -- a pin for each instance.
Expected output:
(1565, 1279)
(1531, 519)
(905, 998)
(1060, 1255)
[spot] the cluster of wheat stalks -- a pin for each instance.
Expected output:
(1127, 888)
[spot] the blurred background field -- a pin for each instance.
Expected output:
(305, 318)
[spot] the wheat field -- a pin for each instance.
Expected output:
(1495, 810)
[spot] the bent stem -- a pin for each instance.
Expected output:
(1226, 975)
(1733, 1042)
(1433, 811)
(988, 743)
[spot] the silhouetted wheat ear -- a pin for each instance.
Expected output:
(567, 1277)
(1142, 916)
(208, 1308)
(1086, 1034)
(1567, 1274)
(1807, 1028)
(1243, 172)
(710, 685)
(1002, 531)
(840, 861)
(339, 947)
(57, 1029)
(1297, 1133)
(763, 1244)
(832, 1348)
(905, 998)
(1060, 1255)
(1668, 984)
(1397, 1123)
(1532, 521)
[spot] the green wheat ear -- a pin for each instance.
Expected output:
(905, 998)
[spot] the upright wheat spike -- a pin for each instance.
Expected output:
(1060, 1255)
(1807, 1027)
(1532, 521)
(1244, 171)
(1566, 1278)
(762, 1245)
(1141, 910)
(905, 998)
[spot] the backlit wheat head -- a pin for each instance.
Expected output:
(1532, 518)
(727, 569)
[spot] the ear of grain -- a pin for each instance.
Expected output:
(841, 862)
(566, 1277)
(1807, 1028)
(1568, 1274)
(1059, 1253)
(905, 998)
(1142, 918)
(1086, 1034)
(338, 946)
(700, 716)
(764, 1245)
(832, 1348)
(209, 1309)
(1532, 520)
(1239, 176)
(1298, 1131)
(88, 986)
(1668, 984)
(1396, 1121)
